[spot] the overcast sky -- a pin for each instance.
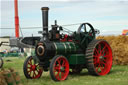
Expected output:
(109, 16)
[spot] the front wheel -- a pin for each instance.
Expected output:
(59, 68)
(31, 69)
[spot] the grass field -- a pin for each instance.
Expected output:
(117, 76)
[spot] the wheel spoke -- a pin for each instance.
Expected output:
(63, 64)
(29, 71)
(56, 67)
(33, 74)
(106, 56)
(95, 61)
(95, 56)
(99, 49)
(29, 63)
(101, 67)
(97, 67)
(62, 74)
(58, 74)
(58, 61)
(103, 63)
(32, 62)
(30, 74)
(96, 51)
(39, 72)
(103, 50)
(29, 67)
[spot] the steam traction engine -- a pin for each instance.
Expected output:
(60, 52)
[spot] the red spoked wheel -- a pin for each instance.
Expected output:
(31, 69)
(99, 57)
(59, 68)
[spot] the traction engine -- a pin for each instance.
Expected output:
(64, 53)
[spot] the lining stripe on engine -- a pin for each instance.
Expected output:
(55, 46)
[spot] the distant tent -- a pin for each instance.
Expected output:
(125, 32)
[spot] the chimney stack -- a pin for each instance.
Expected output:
(45, 22)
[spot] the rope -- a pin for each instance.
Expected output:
(21, 31)
(63, 26)
(71, 24)
(41, 27)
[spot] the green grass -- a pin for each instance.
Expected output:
(117, 76)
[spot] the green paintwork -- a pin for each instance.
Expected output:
(76, 59)
(69, 50)
(83, 39)
(66, 47)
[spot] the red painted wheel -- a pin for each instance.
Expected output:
(99, 57)
(31, 69)
(59, 68)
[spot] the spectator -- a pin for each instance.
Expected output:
(5, 52)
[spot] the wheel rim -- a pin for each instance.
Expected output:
(1, 62)
(61, 68)
(33, 70)
(102, 58)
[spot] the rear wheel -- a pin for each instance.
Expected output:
(31, 69)
(99, 57)
(1, 62)
(59, 68)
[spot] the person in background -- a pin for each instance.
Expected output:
(5, 52)
(22, 52)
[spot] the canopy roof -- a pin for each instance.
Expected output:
(125, 32)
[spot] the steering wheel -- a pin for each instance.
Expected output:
(83, 28)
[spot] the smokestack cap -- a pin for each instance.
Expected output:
(44, 8)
